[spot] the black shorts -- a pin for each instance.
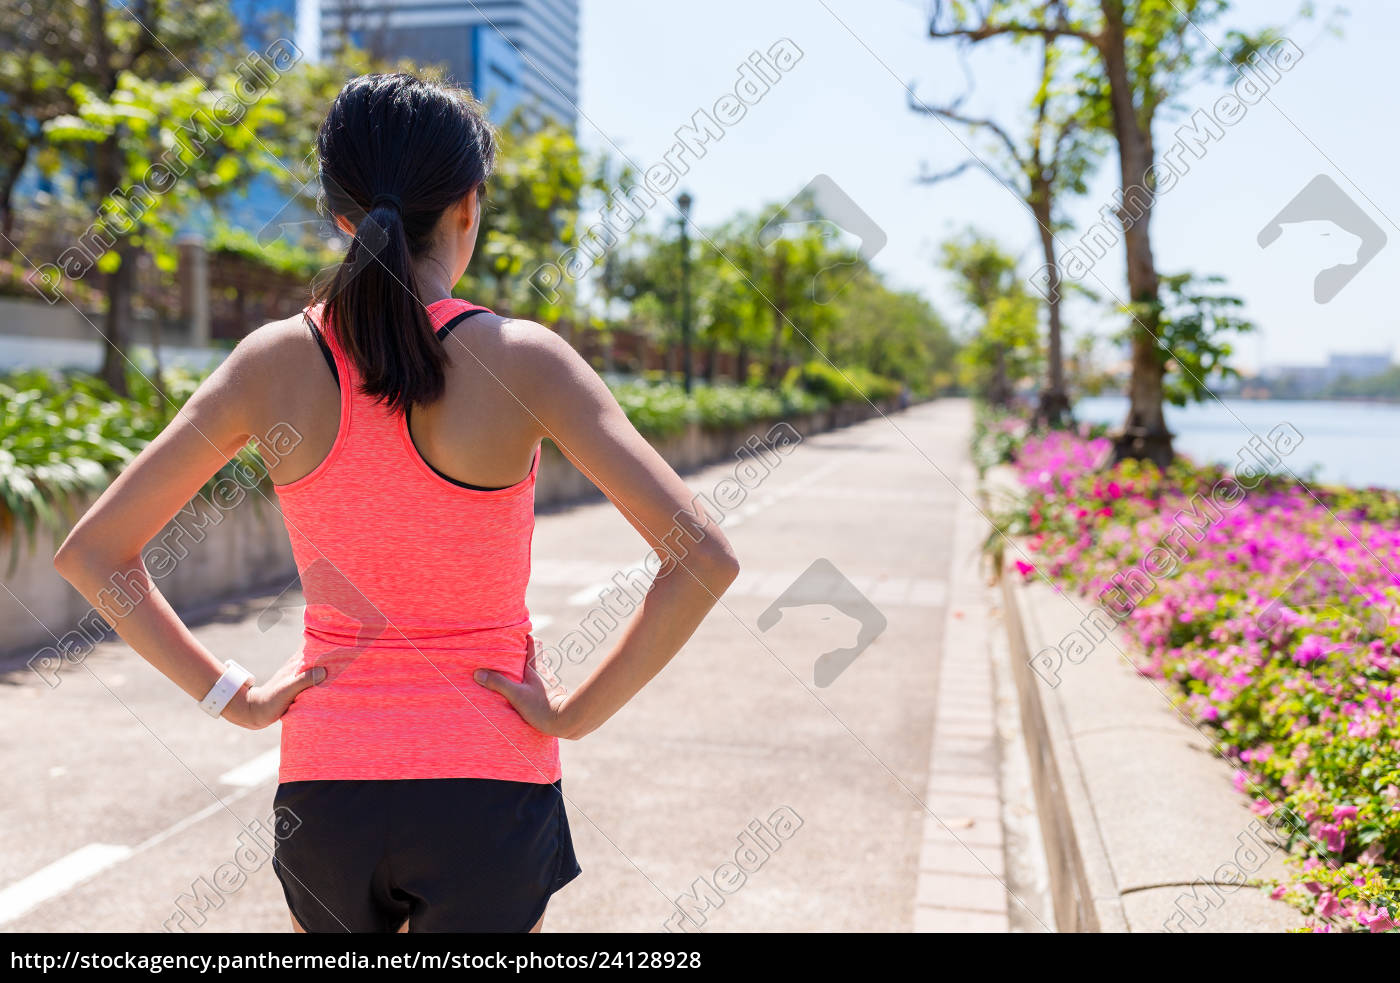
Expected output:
(445, 854)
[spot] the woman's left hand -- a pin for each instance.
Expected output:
(259, 706)
(541, 701)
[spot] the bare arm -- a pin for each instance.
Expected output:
(105, 546)
(697, 564)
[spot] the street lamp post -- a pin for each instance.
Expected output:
(683, 202)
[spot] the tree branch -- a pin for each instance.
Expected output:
(952, 172)
(972, 122)
(990, 29)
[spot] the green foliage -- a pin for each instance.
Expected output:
(851, 384)
(1005, 347)
(661, 408)
(67, 435)
(530, 217)
(176, 144)
(1194, 325)
(279, 255)
(893, 333)
(657, 409)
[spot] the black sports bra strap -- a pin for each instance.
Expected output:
(326, 353)
(446, 329)
(325, 348)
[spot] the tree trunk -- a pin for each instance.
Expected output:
(108, 176)
(775, 347)
(19, 156)
(116, 328)
(1144, 433)
(117, 322)
(999, 389)
(1054, 409)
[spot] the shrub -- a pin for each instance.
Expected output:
(657, 409)
(841, 385)
(66, 435)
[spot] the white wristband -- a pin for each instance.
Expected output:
(225, 689)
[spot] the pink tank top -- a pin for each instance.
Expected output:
(412, 583)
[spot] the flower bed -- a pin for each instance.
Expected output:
(1273, 616)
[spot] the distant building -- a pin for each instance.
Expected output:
(264, 21)
(1310, 380)
(509, 53)
(1361, 366)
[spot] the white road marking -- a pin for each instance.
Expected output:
(62, 875)
(87, 862)
(253, 772)
(589, 594)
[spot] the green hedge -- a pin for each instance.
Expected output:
(841, 385)
(661, 409)
(65, 435)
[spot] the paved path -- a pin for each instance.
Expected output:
(121, 796)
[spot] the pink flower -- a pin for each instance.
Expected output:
(1335, 839)
(1377, 920)
(1328, 905)
(1344, 813)
(1025, 569)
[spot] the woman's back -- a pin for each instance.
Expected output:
(412, 581)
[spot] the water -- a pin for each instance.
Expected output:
(1347, 443)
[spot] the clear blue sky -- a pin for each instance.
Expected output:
(647, 67)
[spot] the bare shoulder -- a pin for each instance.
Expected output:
(532, 353)
(274, 354)
(276, 338)
(275, 369)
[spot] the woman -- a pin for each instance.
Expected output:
(419, 744)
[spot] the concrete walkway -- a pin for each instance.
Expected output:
(734, 794)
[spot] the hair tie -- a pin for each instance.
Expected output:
(386, 199)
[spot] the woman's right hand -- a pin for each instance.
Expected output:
(258, 706)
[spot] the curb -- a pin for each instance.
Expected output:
(1082, 888)
(1143, 831)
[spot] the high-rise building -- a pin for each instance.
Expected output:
(508, 52)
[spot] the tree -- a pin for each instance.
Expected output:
(785, 265)
(76, 74)
(1196, 325)
(1005, 347)
(531, 217)
(893, 333)
(37, 56)
(1052, 160)
(1138, 55)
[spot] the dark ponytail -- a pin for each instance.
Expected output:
(395, 153)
